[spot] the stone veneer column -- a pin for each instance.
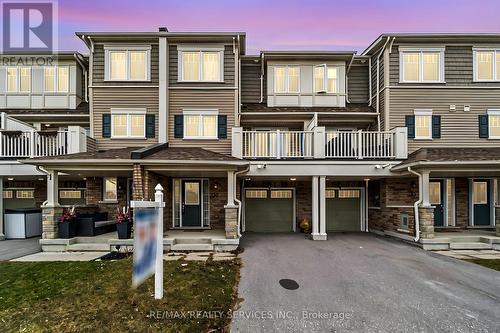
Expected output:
(426, 216)
(138, 184)
(497, 221)
(231, 221)
(50, 218)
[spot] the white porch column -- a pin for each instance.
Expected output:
(230, 188)
(315, 208)
(322, 208)
(2, 235)
(425, 188)
(52, 189)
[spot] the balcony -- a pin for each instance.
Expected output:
(320, 144)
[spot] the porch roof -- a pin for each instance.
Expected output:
(455, 157)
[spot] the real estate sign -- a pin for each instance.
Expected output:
(145, 238)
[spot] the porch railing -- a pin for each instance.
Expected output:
(277, 144)
(18, 144)
(360, 144)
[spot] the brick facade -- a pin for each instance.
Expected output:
(94, 193)
(461, 202)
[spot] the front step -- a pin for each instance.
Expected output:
(82, 247)
(469, 246)
(192, 244)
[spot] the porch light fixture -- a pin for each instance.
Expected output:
(261, 166)
(293, 179)
(10, 178)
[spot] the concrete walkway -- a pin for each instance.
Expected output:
(62, 256)
(15, 248)
(360, 283)
(471, 254)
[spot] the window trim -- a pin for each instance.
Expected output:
(128, 112)
(325, 91)
(495, 50)
(56, 83)
(18, 80)
(127, 50)
(492, 112)
(287, 80)
(200, 49)
(422, 50)
(201, 113)
(426, 113)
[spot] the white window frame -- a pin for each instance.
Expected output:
(287, 79)
(495, 113)
(422, 50)
(183, 48)
(474, 62)
(127, 50)
(18, 79)
(201, 113)
(56, 83)
(423, 113)
(128, 112)
(325, 79)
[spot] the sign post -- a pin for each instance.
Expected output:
(148, 241)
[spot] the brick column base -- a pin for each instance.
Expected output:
(497, 221)
(426, 216)
(231, 221)
(50, 218)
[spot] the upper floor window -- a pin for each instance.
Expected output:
(56, 79)
(494, 124)
(18, 79)
(127, 64)
(200, 124)
(128, 123)
(423, 124)
(487, 65)
(421, 65)
(326, 79)
(287, 79)
(201, 65)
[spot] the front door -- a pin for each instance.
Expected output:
(481, 201)
(436, 195)
(191, 203)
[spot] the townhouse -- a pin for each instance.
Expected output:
(400, 140)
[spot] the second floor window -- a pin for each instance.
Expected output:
(200, 124)
(287, 79)
(325, 79)
(56, 79)
(127, 64)
(128, 123)
(487, 65)
(421, 66)
(494, 124)
(423, 124)
(203, 66)
(19, 79)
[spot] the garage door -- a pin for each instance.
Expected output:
(343, 210)
(269, 210)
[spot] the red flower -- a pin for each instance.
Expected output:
(123, 215)
(67, 215)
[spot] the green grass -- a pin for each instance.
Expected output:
(490, 263)
(97, 296)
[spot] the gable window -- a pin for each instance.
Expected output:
(325, 79)
(423, 124)
(487, 65)
(287, 79)
(201, 65)
(421, 65)
(127, 64)
(56, 79)
(18, 79)
(128, 123)
(200, 124)
(110, 189)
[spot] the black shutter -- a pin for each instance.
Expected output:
(483, 126)
(150, 126)
(178, 126)
(106, 125)
(222, 127)
(436, 127)
(410, 124)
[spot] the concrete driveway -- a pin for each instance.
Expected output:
(15, 248)
(362, 283)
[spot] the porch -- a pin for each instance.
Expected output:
(469, 239)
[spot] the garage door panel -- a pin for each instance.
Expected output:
(343, 210)
(274, 213)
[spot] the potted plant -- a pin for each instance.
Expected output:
(124, 224)
(67, 223)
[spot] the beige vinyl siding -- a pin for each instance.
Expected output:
(107, 98)
(222, 100)
(250, 82)
(98, 65)
(228, 69)
(357, 85)
(459, 128)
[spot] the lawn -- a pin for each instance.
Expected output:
(490, 263)
(97, 296)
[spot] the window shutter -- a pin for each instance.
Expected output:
(106, 125)
(222, 130)
(483, 126)
(436, 127)
(150, 126)
(410, 124)
(178, 126)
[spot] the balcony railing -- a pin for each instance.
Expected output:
(320, 144)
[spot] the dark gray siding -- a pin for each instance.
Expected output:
(357, 87)
(374, 74)
(229, 76)
(250, 82)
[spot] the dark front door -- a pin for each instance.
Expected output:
(481, 201)
(436, 196)
(191, 203)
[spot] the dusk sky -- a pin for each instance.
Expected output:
(280, 24)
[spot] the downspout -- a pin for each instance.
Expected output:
(91, 107)
(42, 170)
(86, 97)
(370, 95)
(347, 80)
(261, 78)
(236, 174)
(416, 204)
(378, 82)
(239, 81)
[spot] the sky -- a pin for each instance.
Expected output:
(279, 24)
